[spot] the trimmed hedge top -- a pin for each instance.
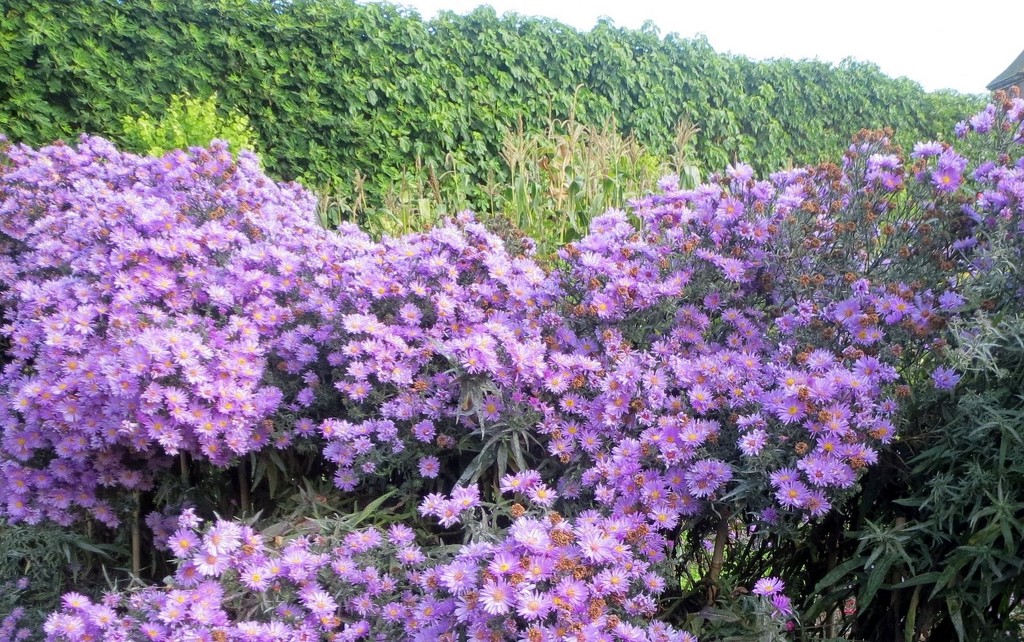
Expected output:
(333, 88)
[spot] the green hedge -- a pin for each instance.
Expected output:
(332, 87)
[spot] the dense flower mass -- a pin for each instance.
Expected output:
(739, 350)
(142, 299)
(549, 579)
(422, 325)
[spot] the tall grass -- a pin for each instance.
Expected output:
(556, 181)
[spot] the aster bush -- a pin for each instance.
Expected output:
(750, 337)
(940, 557)
(645, 439)
(141, 298)
(13, 622)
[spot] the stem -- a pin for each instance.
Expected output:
(184, 468)
(136, 540)
(243, 487)
(88, 555)
(718, 557)
(744, 558)
(834, 614)
(910, 629)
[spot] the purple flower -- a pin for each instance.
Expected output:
(75, 601)
(429, 466)
(946, 178)
(496, 597)
(816, 503)
(706, 476)
(926, 149)
(183, 543)
(668, 183)
(950, 301)
(596, 545)
(944, 378)
(752, 442)
(983, 121)
(782, 605)
(459, 577)
(465, 497)
(542, 495)
(256, 577)
(223, 538)
(768, 586)
(611, 581)
(792, 494)
(533, 605)
(319, 602)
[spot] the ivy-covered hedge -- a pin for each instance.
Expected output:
(332, 87)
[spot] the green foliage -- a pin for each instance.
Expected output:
(562, 177)
(187, 122)
(738, 619)
(968, 497)
(351, 95)
(52, 560)
(934, 550)
(558, 180)
(943, 560)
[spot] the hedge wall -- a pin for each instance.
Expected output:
(332, 87)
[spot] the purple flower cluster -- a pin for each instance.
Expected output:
(416, 323)
(710, 340)
(142, 298)
(996, 212)
(771, 589)
(10, 631)
(549, 579)
(742, 346)
(13, 627)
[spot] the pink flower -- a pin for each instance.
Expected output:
(768, 586)
(319, 602)
(496, 597)
(429, 466)
(533, 605)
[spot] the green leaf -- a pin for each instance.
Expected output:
(924, 578)
(875, 579)
(371, 508)
(838, 573)
(953, 605)
(103, 551)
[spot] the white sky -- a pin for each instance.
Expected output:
(960, 44)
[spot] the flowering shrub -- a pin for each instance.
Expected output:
(427, 328)
(12, 624)
(142, 297)
(948, 529)
(729, 358)
(550, 579)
